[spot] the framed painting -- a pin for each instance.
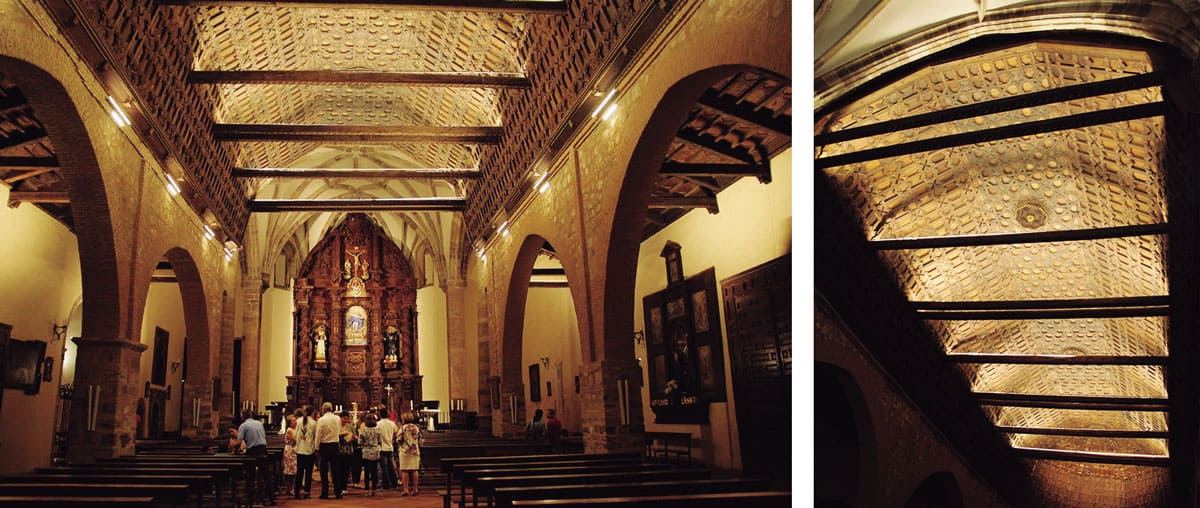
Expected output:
(535, 383)
(23, 365)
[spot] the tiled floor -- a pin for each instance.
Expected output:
(428, 498)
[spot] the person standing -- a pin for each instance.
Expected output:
(306, 449)
(387, 436)
(347, 445)
(535, 430)
(554, 431)
(369, 441)
(408, 446)
(289, 451)
(252, 436)
(329, 428)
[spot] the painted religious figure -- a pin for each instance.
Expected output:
(391, 345)
(320, 344)
(356, 326)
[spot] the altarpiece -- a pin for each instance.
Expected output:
(355, 321)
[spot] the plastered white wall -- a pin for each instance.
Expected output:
(552, 331)
(276, 346)
(164, 309)
(432, 354)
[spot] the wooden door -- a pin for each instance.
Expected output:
(758, 314)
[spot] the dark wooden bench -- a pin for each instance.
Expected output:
(242, 467)
(450, 466)
(485, 486)
(223, 478)
(267, 468)
(767, 499)
(666, 445)
(162, 494)
(468, 475)
(504, 497)
(76, 502)
(199, 486)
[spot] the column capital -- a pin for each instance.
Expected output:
(106, 342)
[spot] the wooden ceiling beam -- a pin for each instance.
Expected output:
(732, 106)
(1075, 121)
(499, 6)
(23, 139)
(388, 173)
(58, 197)
(975, 358)
(760, 171)
(1070, 235)
(713, 145)
(1094, 457)
(708, 202)
(357, 133)
(440, 79)
(1071, 402)
(1066, 303)
(1108, 433)
(30, 167)
(989, 315)
(358, 205)
(1028, 100)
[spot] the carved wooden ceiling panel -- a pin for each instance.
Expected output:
(1079, 176)
(27, 160)
(301, 38)
(357, 105)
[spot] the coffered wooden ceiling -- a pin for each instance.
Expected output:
(27, 161)
(1019, 198)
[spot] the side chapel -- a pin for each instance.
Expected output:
(355, 318)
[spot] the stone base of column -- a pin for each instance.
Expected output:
(612, 407)
(104, 404)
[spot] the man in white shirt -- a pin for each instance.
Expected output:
(387, 434)
(306, 451)
(329, 426)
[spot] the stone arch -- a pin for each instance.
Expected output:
(513, 330)
(198, 337)
(85, 186)
(844, 439)
(939, 490)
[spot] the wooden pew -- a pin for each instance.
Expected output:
(241, 467)
(266, 467)
(163, 494)
(448, 465)
(76, 502)
(485, 486)
(223, 478)
(468, 475)
(198, 485)
(767, 499)
(504, 497)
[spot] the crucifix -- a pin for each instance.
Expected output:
(388, 389)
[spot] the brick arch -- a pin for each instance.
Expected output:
(633, 201)
(54, 106)
(836, 389)
(939, 489)
(195, 305)
(514, 305)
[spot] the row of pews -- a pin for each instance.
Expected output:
(595, 480)
(170, 474)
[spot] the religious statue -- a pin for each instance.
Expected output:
(346, 275)
(320, 344)
(391, 345)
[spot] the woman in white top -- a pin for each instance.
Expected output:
(306, 449)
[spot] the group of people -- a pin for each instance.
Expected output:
(374, 450)
(550, 430)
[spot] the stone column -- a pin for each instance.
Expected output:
(104, 404)
(612, 406)
(456, 339)
(252, 291)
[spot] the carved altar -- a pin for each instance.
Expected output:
(355, 321)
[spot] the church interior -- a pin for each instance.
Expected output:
(1004, 251)
(464, 211)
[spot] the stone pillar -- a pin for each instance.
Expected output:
(104, 404)
(252, 291)
(512, 401)
(612, 407)
(456, 339)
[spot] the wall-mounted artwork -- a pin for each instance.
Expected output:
(686, 367)
(535, 383)
(356, 326)
(23, 365)
(158, 371)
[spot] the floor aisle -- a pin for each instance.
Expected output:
(358, 497)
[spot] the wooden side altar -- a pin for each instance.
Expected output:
(355, 322)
